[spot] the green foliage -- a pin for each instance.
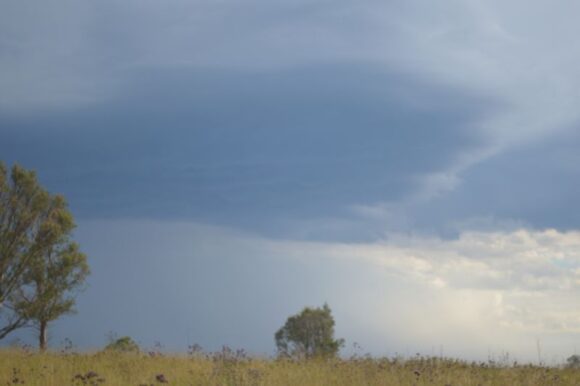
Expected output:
(123, 344)
(308, 334)
(40, 266)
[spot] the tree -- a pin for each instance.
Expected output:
(49, 287)
(39, 265)
(573, 362)
(308, 334)
(22, 202)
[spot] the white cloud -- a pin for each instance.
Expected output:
(492, 288)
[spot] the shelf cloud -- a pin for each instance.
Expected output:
(429, 147)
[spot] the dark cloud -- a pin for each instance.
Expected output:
(247, 147)
(535, 185)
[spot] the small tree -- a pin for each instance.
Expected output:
(308, 334)
(573, 362)
(39, 264)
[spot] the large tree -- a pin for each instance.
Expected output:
(39, 264)
(308, 334)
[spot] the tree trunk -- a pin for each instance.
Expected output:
(42, 335)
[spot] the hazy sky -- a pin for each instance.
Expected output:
(413, 163)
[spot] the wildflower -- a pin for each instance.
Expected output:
(161, 378)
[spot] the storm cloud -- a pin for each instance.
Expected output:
(437, 141)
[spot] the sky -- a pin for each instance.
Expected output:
(412, 163)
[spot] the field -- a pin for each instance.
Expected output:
(19, 367)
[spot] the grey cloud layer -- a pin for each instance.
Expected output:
(532, 186)
(239, 146)
(407, 114)
(71, 54)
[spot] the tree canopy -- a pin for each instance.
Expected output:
(308, 334)
(40, 265)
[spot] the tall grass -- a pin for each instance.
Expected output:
(19, 367)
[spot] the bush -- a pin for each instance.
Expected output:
(124, 344)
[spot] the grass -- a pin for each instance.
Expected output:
(19, 367)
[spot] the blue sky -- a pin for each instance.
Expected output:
(230, 163)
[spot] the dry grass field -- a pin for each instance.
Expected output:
(19, 367)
